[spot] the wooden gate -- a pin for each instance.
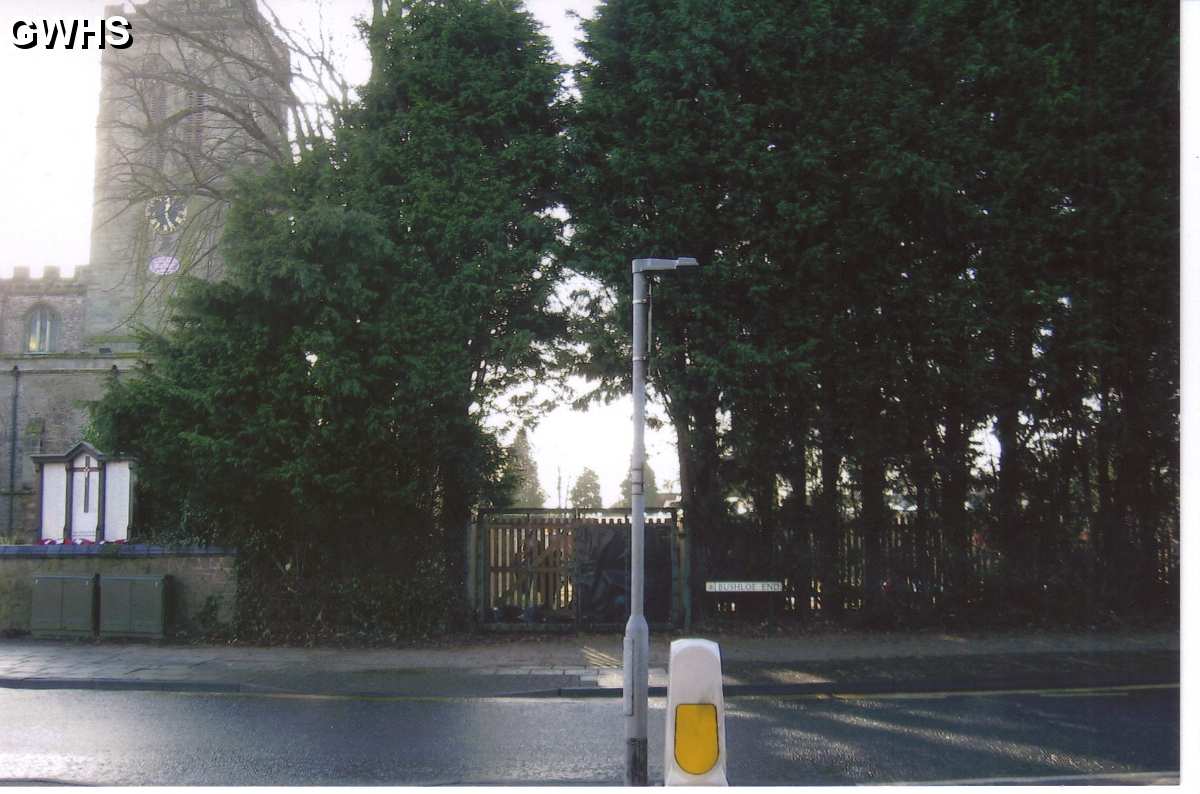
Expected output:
(545, 567)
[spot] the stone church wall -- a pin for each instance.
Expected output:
(49, 391)
(51, 398)
(20, 294)
(134, 264)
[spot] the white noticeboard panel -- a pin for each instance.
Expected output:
(87, 491)
(743, 587)
(117, 495)
(54, 500)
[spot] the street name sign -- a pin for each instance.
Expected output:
(743, 587)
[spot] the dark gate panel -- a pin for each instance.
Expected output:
(571, 566)
(602, 573)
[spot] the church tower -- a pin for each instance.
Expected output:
(196, 97)
(200, 93)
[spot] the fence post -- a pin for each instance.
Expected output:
(673, 544)
(686, 569)
(473, 567)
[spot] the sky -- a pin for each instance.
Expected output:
(49, 100)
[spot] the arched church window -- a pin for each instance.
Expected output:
(42, 330)
(154, 94)
(156, 100)
(197, 109)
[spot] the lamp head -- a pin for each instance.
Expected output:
(647, 265)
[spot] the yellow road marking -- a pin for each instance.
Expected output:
(599, 658)
(1165, 778)
(1062, 692)
(1058, 692)
(338, 696)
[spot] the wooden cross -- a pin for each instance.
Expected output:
(87, 480)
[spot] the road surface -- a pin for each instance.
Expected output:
(164, 738)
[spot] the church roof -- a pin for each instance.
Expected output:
(81, 448)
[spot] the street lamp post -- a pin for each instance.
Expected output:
(636, 656)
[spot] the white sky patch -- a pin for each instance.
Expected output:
(49, 100)
(602, 440)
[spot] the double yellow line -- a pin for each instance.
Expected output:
(1057, 692)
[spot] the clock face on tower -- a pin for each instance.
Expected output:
(165, 213)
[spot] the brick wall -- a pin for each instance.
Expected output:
(198, 577)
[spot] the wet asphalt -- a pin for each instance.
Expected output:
(835, 710)
(742, 678)
(176, 738)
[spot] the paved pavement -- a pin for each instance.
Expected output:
(588, 665)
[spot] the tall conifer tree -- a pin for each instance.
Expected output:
(585, 493)
(383, 292)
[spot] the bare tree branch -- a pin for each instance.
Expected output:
(211, 87)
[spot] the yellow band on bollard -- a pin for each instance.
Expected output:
(696, 746)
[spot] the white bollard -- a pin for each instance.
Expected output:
(695, 745)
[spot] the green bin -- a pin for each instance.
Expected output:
(64, 606)
(133, 606)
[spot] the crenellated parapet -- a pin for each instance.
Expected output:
(22, 281)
